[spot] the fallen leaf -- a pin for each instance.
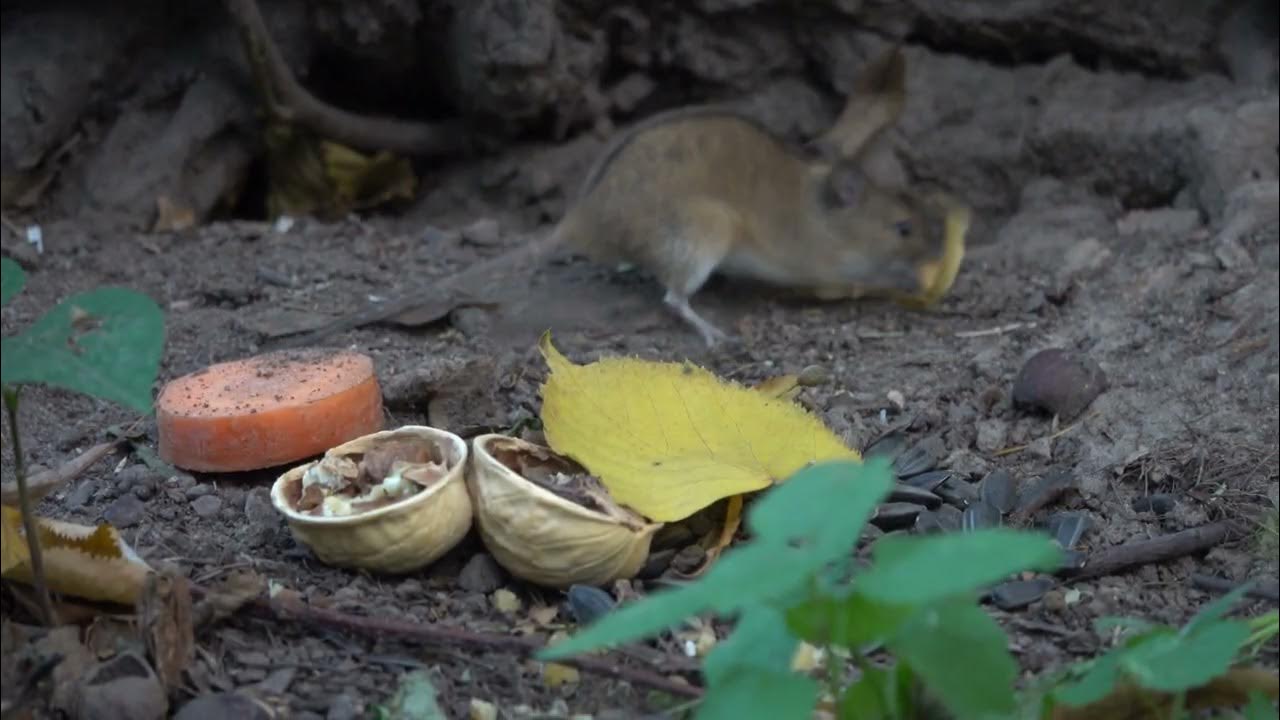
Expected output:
(554, 675)
(93, 563)
(668, 439)
(165, 623)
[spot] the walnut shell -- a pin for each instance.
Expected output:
(398, 537)
(541, 537)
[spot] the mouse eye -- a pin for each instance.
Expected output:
(903, 228)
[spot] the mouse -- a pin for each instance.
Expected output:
(700, 190)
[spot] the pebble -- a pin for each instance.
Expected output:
(481, 574)
(343, 707)
(992, 435)
(200, 490)
(126, 511)
(258, 508)
(1060, 382)
(80, 496)
(207, 505)
(181, 481)
(134, 476)
(221, 705)
(484, 232)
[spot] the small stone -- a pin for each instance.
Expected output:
(506, 602)
(344, 707)
(688, 559)
(196, 491)
(207, 506)
(346, 595)
(992, 435)
(181, 481)
(484, 232)
(222, 705)
(134, 476)
(482, 710)
(409, 589)
(482, 574)
(79, 497)
(1060, 382)
(125, 512)
(258, 508)
(233, 497)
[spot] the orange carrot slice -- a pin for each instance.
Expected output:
(267, 410)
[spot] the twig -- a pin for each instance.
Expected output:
(1267, 591)
(295, 611)
(286, 99)
(1146, 552)
(1019, 448)
(1001, 330)
(43, 483)
(47, 615)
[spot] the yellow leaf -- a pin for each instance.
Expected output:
(786, 387)
(668, 439)
(93, 563)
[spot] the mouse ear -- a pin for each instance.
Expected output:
(844, 185)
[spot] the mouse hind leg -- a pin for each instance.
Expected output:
(691, 248)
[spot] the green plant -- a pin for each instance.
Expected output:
(796, 580)
(1165, 659)
(105, 343)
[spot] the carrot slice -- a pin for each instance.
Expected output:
(267, 410)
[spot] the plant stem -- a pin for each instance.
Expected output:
(28, 516)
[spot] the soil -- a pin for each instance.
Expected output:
(1128, 219)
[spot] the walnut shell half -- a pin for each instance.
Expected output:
(426, 514)
(539, 535)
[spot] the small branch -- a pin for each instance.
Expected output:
(1265, 591)
(1156, 550)
(48, 617)
(43, 483)
(287, 99)
(294, 611)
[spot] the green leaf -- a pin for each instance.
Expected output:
(1216, 610)
(1094, 685)
(1177, 663)
(12, 280)
(1260, 707)
(819, 504)
(106, 343)
(415, 699)
(962, 657)
(751, 574)
(852, 621)
(760, 641)
(826, 504)
(880, 694)
(926, 569)
(752, 693)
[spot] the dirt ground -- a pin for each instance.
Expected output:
(1128, 219)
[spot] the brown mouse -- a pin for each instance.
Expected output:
(700, 190)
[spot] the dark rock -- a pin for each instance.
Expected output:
(259, 510)
(126, 511)
(207, 506)
(657, 564)
(1060, 382)
(1017, 594)
(482, 574)
(196, 491)
(1159, 504)
(80, 496)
